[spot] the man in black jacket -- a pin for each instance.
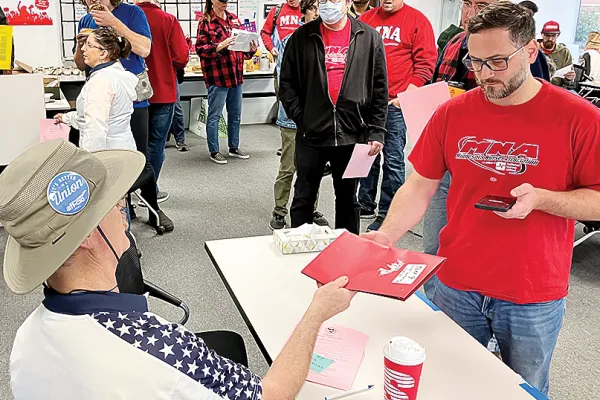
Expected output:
(333, 85)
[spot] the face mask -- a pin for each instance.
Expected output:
(331, 12)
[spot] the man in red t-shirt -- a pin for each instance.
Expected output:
(411, 54)
(507, 273)
(281, 22)
(333, 85)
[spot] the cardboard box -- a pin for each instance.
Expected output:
(305, 239)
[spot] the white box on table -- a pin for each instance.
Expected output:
(305, 239)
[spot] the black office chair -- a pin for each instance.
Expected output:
(130, 280)
(590, 228)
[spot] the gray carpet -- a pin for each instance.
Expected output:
(210, 201)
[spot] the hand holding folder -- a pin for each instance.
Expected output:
(372, 267)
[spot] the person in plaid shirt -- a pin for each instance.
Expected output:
(223, 71)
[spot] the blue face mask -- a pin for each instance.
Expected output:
(331, 13)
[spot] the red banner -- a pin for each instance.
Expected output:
(28, 12)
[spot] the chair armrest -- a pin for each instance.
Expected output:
(167, 297)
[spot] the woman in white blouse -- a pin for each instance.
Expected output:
(105, 105)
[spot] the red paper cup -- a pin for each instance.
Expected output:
(403, 362)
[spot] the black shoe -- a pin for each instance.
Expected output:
(319, 219)
(161, 197)
(327, 170)
(277, 222)
(365, 213)
(165, 224)
(181, 146)
(279, 151)
(218, 158)
(375, 225)
(238, 153)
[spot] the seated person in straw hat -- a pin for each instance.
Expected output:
(61, 207)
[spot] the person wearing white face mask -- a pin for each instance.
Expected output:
(333, 85)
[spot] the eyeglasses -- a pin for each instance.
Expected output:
(325, 1)
(122, 205)
(477, 6)
(494, 64)
(86, 45)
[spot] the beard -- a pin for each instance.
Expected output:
(360, 2)
(547, 44)
(504, 89)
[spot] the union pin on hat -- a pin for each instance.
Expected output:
(551, 27)
(53, 196)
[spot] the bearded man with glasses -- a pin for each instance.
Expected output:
(450, 68)
(507, 273)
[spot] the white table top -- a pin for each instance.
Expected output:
(272, 296)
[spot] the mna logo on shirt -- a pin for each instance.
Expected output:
(336, 54)
(498, 157)
(289, 20)
(391, 33)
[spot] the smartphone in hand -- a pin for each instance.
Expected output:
(496, 203)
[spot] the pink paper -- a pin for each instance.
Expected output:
(346, 347)
(419, 105)
(360, 162)
(49, 130)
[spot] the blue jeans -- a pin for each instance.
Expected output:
(217, 98)
(526, 333)
(178, 125)
(393, 166)
(161, 116)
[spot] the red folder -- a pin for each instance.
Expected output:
(372, 267)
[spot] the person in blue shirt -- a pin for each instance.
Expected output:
(130, 22)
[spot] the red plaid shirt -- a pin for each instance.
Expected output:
(225, 68)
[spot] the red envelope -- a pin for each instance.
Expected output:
(372, 267)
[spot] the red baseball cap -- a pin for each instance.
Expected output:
(551, 27)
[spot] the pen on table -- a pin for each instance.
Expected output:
(349, 393)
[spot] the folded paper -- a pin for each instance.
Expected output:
(360, 163)
(372, 267)
(419, 105)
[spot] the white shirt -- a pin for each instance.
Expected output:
(104, 109)
(100, 346)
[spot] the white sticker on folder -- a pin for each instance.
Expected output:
(409, 274)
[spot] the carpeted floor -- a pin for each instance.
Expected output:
(210, 201)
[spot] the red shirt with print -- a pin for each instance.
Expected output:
(336, 50)
(410, 48)
(287, 22)
(551, 142)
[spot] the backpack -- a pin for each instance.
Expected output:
(277, 12)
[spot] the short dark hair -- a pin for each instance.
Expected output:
(505, 15)
(306, 4)
(530, 5)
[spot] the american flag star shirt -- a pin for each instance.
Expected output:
(225, 68)
(97, 345)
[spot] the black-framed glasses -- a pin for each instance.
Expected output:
(494, 64)
(478, 6)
